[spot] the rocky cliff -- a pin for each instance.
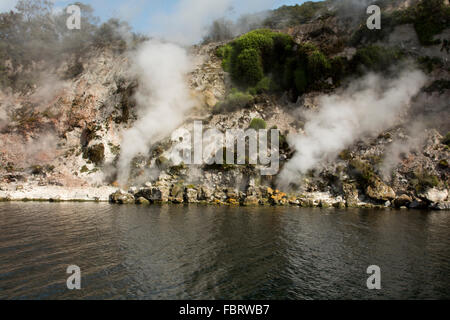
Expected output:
(61, 139)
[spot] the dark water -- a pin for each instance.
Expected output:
(199, 252)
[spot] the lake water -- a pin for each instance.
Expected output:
(208, 252)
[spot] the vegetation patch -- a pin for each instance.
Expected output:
(258, 124)
(429, 18)
(438, 86)
(96, 153)
(374, 58)
(266, 61)
(234, 101)
(363, 171)
(423, 180)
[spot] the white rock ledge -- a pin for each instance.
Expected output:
(56, 193)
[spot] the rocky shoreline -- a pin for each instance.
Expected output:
(433, 199)
(266, 196)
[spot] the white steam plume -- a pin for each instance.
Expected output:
(367, 107)
(400, 147)
(162, 96)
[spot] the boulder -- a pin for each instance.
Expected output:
(418, 204)
(435, 195)
(219, 195)
(443, 205)
(121, 197)
(162, 190)
(204, 194)
(145, 193)
(250, 201)
(190, 195)
(177, 194)
(156, 195)
(378, 190)
(350, 194)
(143, 201)
(339, 205)
(324, 204)
(403, 200)
(232, 194)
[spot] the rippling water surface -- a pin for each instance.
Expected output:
(207, 252)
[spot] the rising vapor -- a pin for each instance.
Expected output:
(366, 107)
(162, 98)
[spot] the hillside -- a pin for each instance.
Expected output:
(362, 115)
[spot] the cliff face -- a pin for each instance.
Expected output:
(66, 134)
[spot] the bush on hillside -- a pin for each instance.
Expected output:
(258, 124)
(234, 101)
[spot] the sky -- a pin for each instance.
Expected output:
(151, 16)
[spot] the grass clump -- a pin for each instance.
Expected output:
(258, 124)
(234, 101)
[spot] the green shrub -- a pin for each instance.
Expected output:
(431, 17)
(339, 66)
(248, 69)
(224, 52)
(266, 61)
(318, 65)
(264, 85)
(254, 54)
(258, 124)
(235, 100)
(375, 58)
(300, 80)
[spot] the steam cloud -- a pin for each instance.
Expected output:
(393, 154)
(162, 96)
(368, 106)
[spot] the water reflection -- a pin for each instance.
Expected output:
(207, 252)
